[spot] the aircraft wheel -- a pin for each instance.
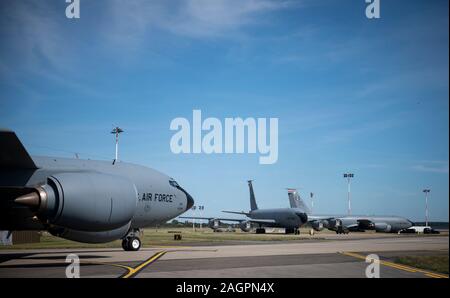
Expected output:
(125, 244)
(134, 244)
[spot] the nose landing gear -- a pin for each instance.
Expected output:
(131, 242)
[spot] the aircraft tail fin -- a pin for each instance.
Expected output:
(296, 201)
(253, 205)
(12, 153)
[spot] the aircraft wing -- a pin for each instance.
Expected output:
(210, 218)
(258, 221)
(237, 212)
(319, 217)
(196, 217)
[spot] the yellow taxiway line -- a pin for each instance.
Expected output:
(133, 271)
(398, 266)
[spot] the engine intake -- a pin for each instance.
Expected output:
(317, 225)
(383, 227)
(245, 226)
(214, 223)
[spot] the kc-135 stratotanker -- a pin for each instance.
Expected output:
(83, 200)
(291, 219)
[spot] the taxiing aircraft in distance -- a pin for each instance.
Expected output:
(288, 218)
(349, 223)
(291, 219)
(215, 222)
(83, 200)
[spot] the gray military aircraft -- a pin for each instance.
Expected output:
(83, 200)
(346, 223)
(291, 219)
(215, 222)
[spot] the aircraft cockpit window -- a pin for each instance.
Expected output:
(173, 183)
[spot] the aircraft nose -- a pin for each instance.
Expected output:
(190, 201)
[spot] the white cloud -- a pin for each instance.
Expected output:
(191, 18)
(432, 167)
(34, 35)
(348, 133)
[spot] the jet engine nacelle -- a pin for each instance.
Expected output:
(245, 226)
(383, 227)
(334, 223)
(90, 237)
(317, 225)
(214, 223)
(85, 201)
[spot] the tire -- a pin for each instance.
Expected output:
(125, 244)
(134, 244)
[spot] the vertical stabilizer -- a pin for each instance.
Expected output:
(13, 154)
(253, 205)
(296, 201)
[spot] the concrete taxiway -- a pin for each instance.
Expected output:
(318, 258)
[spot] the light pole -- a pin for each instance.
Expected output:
(426, 191)
(312, 202)
(117, 130)
(349, 176)
(200, 209)
(193, 220)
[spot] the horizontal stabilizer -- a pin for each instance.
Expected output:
(12, 153)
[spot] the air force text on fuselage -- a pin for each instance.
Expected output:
(227, 138)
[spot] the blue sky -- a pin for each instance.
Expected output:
(351, 94)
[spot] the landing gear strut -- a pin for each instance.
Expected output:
(341, 231)
(260, 231)
(131, 242)
(292, 231)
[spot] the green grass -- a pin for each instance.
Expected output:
(161, 236)
(437, 263)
